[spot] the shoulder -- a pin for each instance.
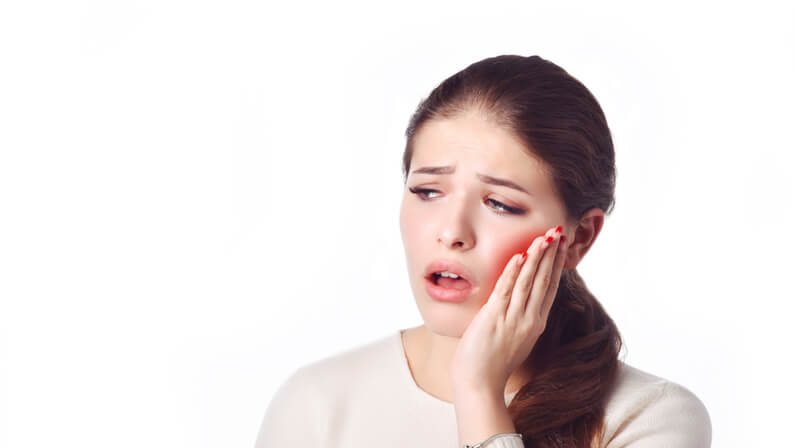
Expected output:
(350, 369)
(337, 370)
(649, 411)
(302, 406)
(293, 415)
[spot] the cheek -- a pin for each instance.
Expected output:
(407, 222)
(501, 250)
(410, 226)
(414, 236)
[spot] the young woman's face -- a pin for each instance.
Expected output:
(466, 219)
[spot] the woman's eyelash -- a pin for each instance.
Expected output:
(501, 208)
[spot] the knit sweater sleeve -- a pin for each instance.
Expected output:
(294, 417)
(673, 417)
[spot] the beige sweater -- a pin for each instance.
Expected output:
(366, 397)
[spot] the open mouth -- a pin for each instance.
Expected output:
(450, 283)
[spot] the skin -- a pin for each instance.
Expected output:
(452, 355)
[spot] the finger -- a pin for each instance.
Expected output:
(521, 289)
(501, 295)
(542, 279)
(557, 271)
(524, 284)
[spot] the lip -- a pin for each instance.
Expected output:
(450, 266)
(444, 294)
(447, 295)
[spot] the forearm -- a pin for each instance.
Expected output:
(480, 415)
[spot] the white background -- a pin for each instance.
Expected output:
(196, 198)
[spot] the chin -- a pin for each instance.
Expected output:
(450, 322)
(443, 319)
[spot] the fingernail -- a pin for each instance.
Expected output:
(559, 229)
(549, 239)
(562, 239)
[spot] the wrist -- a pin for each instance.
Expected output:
(503, 440)
(480, 414)
(479, 394)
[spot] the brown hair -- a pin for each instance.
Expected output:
(574, 363)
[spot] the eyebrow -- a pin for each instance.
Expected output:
(483, 177)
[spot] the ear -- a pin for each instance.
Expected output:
(582, 237)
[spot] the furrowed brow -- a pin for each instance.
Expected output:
(447, 169)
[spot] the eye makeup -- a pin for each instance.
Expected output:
(500, 208)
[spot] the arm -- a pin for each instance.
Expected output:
(479, 415)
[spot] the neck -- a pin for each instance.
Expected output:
(430, 356)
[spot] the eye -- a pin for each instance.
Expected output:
(422, 192)
(501, 208)
(505, 209)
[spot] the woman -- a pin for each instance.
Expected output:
(509, 170)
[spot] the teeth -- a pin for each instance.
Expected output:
(447, 274)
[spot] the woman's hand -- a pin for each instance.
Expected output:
(505, 330)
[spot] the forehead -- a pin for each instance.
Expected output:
(472, 143)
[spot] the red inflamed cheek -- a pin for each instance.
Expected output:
(525, 244)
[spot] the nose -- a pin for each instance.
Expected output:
(455, 229)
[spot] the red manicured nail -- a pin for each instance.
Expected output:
(549, 239)
(559, 229)
(563, 239)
